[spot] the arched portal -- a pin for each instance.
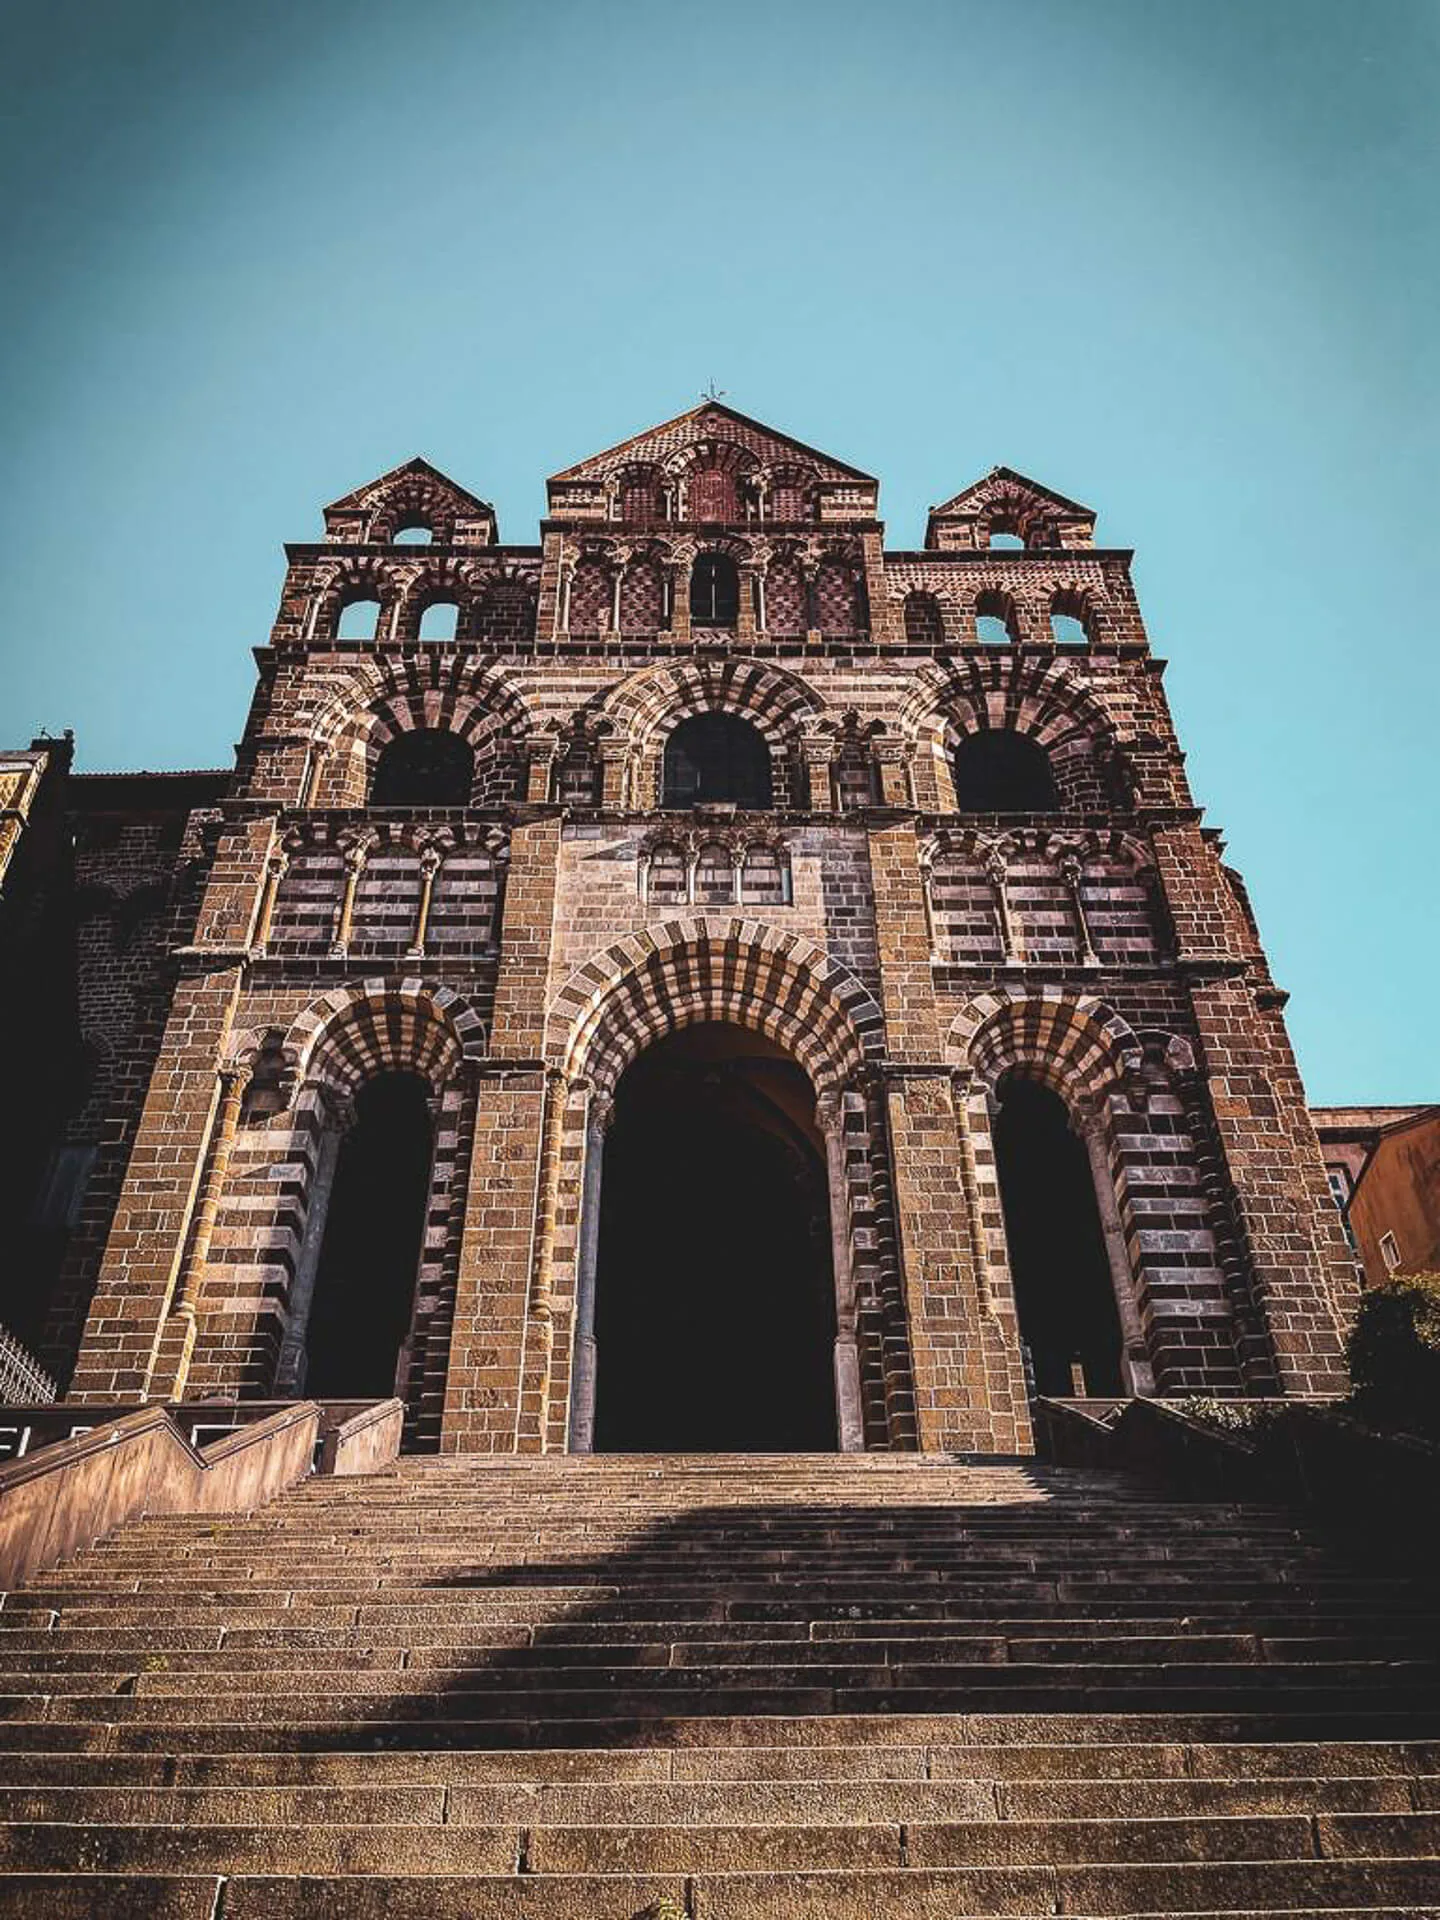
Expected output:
(1059, 1264)
(363, 1302)
(715, 1294)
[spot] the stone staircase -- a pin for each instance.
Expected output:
(726, 1688)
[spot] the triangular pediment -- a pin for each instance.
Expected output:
(1012, 502)
(671, 442)
(412, 494)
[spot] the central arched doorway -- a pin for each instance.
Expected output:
(364, 1294)
(1064, 1289)
(715, 1298)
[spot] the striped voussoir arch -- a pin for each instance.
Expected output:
(713, 968)
(780, 705)
(436, 688)
(1075, 1043)
(385, 1025)
(978, 691)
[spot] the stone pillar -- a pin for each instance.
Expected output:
(745, 608)
(849, 1409)
(997, 872)
(294, 1355)
(1069, 864)
(1136, 1367)
(680, 601)
(540, 1325)
(431, 860)
(146, 1244)
(265, 910)
(356, 854)
(175, 1341)
(540, 751)
(818, 751)
(965, 1392)
(893, 760)
(584, 1365)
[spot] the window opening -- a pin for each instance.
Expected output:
(438, 621)
(427, 767)
(1001, 771)
(716, 757)
(359, 619)
(714, 591)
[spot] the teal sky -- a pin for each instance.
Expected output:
(1179, 261)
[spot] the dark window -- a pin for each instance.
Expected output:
(714, 591)
(428, 767)
(716, 756)
(1003, 772)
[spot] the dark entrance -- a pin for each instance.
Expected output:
(365, 1283)
(1063, 1290)
(715, 1303)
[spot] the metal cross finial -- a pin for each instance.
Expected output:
(712, 392)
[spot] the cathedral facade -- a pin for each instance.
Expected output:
(706, 981)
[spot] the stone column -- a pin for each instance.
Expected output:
(849, 1407)
(1135, 1363)
(540, 1332)
(745, 608)
(294, 1356)
(356, 854)
(893, 760)
(996, 871)
(680, 600)
(818, 751)
(175, 1342)
(265, 911)
(1069, 865)
(431, 860)
(583, 1370)
(540, 750)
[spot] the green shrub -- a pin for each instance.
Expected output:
(1394, 1355)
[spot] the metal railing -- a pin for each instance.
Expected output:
(23, 1381)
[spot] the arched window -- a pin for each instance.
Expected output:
(764, 878)
(714, 875)
(996, 621)
(716, 756)
(413, 533)
(1070, 619)
(359, 619)
(1005, 538)
(426, 767)
(711, 495)
(438, 621)
(1064, 1291)
(667, 883)
(1000, 771)
(923, 625)
(714, 591)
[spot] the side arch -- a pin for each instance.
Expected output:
(1074, 1043)
(694, 969)
(386, 1024)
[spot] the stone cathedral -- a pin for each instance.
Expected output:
(707, 982)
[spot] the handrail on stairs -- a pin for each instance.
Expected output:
(64, 1497)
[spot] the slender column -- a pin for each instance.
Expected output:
(176, 1340)
(1069, 865)
(562, 599)
(355, 857)
(582, 1388)
(745, 608)
(737, 864)
(1135, 1364)
(318, 763)
(430, 862)
(291, 1366)
(849, 1407)
(615, 599)
(274, 873)
(809, 573)
(680, 600)
(762, 620)
(995, 868)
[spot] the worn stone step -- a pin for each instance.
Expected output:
(50, 1847)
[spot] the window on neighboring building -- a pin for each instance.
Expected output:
(1339, 1186)
(1390, 1251)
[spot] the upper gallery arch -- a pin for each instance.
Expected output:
(712, 466)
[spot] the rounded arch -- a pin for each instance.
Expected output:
(1074, 1043)
(1038, 698)
(646, 708)
(386, 1025)
(437, 691)
(412, 501)
(695, 969)
(342, 586)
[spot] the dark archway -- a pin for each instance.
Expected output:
(715, 1303)
(1000, 771)
(425, 767)
(714, 591)
(370, 1255)
(717, 756)
(1064, 1294)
